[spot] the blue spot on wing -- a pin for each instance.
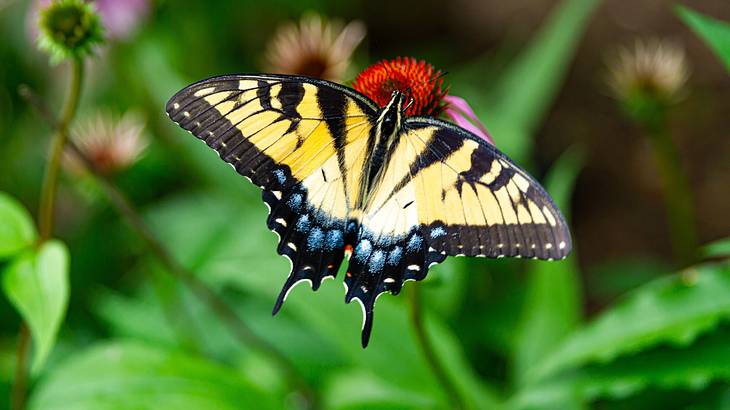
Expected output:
(363, 249)
(414, 244)
(395, 256)
(295, 202)
(303, 223)
(315, 241)
(437, 231)
(377, 260)
(334, 240)
(280, 176)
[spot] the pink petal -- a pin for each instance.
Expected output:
(457, 109)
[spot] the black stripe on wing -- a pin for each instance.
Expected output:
(513, 237)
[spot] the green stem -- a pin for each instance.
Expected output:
(45, 218)
(17, 398)
(452, 394)
(677, 197)
(58, 143)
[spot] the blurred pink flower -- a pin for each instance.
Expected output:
(459, 111)
(110, 142)
(122, 17)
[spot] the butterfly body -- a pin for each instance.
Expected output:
(344, 178)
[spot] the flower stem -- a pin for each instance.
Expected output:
(50, 181)
(45, 218)
(17, 398)
(455, 400)
(677, 196)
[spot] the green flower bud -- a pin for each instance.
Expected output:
(69, 29)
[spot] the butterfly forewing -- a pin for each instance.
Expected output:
(296, 138)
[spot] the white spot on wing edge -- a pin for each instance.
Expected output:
(175, 106)
(294, 285)
(364, 314)
(281, 221)
(562, 245)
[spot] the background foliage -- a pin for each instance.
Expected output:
(616, 325)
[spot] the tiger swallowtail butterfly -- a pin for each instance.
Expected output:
(346, 178)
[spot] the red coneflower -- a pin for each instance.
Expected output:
(424, 84)
(406, 74)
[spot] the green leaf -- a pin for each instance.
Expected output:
(669, 369)
(674, 309)
(692, 367)
(36, 283)
(715, 33)
(358, 389)
(131, 375)
(718, 249)
(241, 253)
(16, 227)
(553, 303)
(531, 83)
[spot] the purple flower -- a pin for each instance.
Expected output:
(459, 111)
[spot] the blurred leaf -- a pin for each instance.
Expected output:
(36, 283)
(16, 227)
(358, 389)
(691, 367)
(524, 93)
(617, 276)
(446, 284)
(553, 301)
(673, 309)
(132, 375)
(138, 318)
(561, 394)
(240, 252)
(717, 249)
(458, 365)
(715, 33)
(662, 369)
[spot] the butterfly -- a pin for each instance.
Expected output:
(346, 178)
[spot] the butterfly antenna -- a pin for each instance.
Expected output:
(410, 102)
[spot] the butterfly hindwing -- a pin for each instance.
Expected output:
(296, 138)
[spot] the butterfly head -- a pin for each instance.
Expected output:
(392, 114)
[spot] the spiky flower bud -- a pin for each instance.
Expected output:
(69, 29)
(315, 47)
(648, 79)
